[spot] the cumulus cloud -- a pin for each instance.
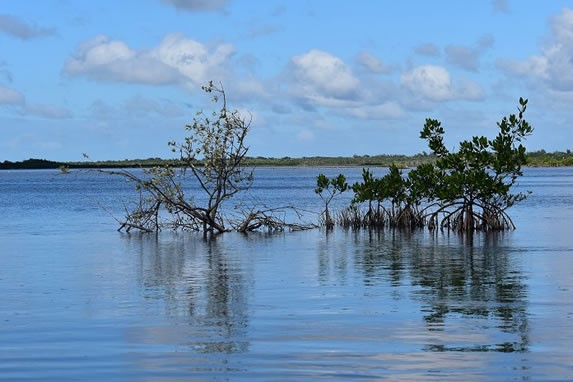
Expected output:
(10, 96)
(371, 64)
(318, 79)
(431, 82)
(16, 27)
(192, 59)
(434, 83)
(103, 59)
(559, 52)
(177, 60)
(322, 78)
(197, 5)
(553, 68)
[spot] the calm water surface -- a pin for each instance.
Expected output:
(80, 301)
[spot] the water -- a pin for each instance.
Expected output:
(80, 301)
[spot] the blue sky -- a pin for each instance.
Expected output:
(119, 79)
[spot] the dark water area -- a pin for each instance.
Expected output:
(80, 301)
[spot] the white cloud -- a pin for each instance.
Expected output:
(559, 53)
(10, 97)
(193, 59)
(177, 60)
(429, 81)
(318, 79)
(372, 64)
(434, 83)
(16, 27)
(197, 5)
(322, 78)
(553, 68)
(103, 59)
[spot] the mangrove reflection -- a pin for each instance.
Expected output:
(473, 279)
(201, 286)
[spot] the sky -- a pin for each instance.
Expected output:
(120, 79)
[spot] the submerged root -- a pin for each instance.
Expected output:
(355, 218)
(350, 217)
(464, 218)
(408, 217)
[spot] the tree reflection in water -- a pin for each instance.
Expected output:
(458, 294)
(201, 287)
(473, 282)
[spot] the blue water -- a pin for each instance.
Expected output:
(80, 301)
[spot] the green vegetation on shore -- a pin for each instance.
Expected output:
(539, 158)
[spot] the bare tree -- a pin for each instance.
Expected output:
(212, 159)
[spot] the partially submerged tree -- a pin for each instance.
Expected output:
(465, 190)
(473, 185)
(371, 191)
(211, 159)
(214, 153)
(405, 201)
(327, 189)
(389, 200)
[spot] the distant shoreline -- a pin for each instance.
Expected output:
(535, 159)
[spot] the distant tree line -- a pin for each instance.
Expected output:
(539, 158)
(259, 161)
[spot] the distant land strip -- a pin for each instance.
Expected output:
(539, 158)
